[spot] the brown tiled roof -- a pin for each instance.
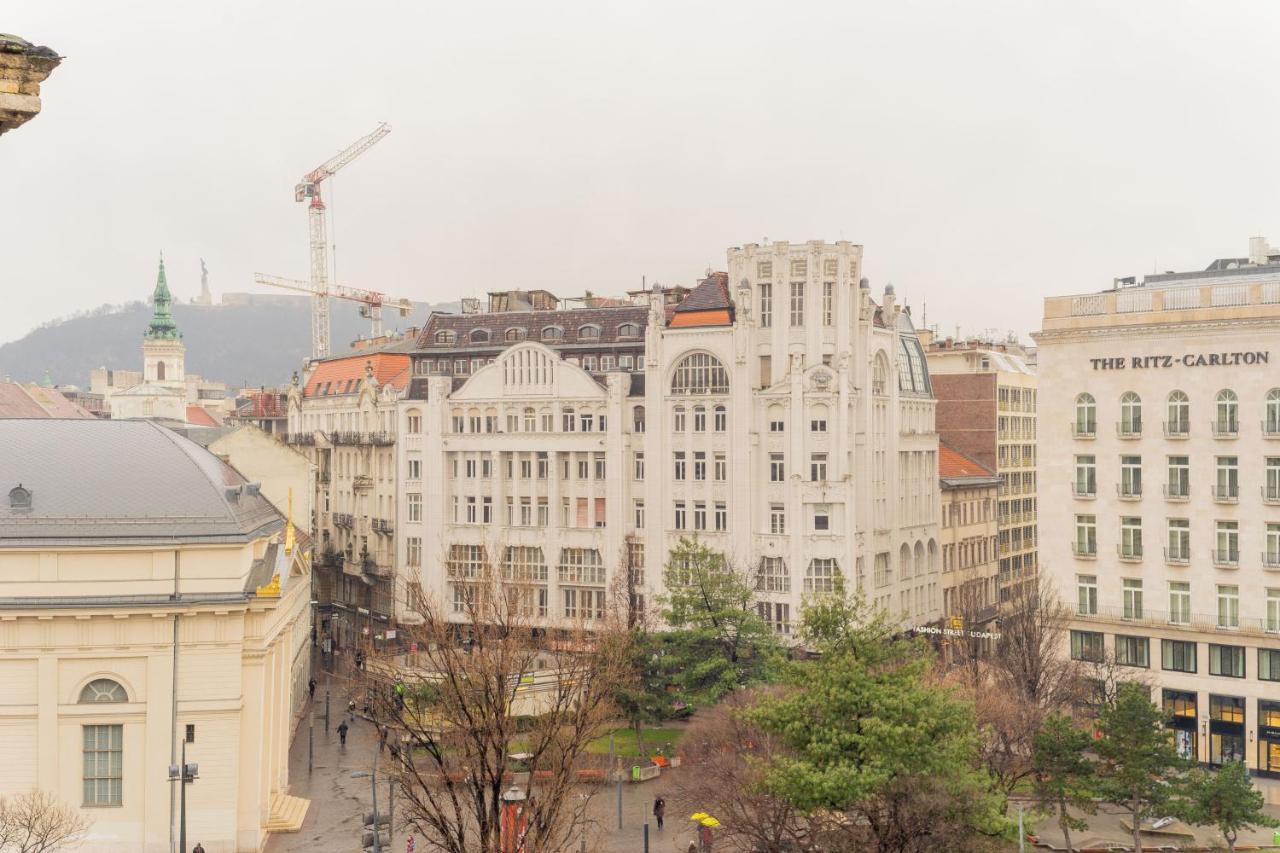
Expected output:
(711, 294)
(336, 376)
(531, 323)
(954, 465)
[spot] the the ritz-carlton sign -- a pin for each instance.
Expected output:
(1213, 359)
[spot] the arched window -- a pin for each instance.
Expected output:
(1179, 422)
(700, 373)
(530, 419)
(1086, 416)
(904, 562)
(479, 336)
(628, 330)
(677, 419)
(414, 418)
(1130, 414)
(588, 333)
(880, 375)
(446, 336)
(721, 418)
(552, 333)
(1271, 426)
(699, 418)
(637, 419)
(823, 575)
(1227, 421)
(921, 567)
(515, 333)
(103, 690)
(160, 371)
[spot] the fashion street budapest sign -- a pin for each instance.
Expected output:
(1213, 359)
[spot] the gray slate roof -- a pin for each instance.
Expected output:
(121, 482)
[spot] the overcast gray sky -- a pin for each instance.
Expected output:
(985, 153)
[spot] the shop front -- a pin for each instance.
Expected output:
(1226, 729)
(1268, 738)
(1180, 709)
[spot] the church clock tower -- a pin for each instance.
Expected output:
(163, 353)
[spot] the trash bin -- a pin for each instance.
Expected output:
(635, 772)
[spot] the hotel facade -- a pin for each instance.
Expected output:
(775, 412)
(1160, 469)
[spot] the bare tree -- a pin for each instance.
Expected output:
(489, 684)
(37, 822)
(1031, 655)
(724, 756)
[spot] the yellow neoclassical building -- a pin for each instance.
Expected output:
(149, 595)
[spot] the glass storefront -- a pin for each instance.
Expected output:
(1180, 708)
(1269, 738)
(1226, 729)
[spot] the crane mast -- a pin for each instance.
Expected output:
(309, 188)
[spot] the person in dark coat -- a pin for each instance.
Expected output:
(659, 810)
(311, 688)
(342, 732)
(383, 731)
(199, 848)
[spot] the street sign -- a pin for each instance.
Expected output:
(391, 634)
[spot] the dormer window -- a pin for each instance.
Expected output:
(20, 499)
(479, 336)
(446, 336)
(515, 333)
(628, 330)
(552, 333)
(588, 333)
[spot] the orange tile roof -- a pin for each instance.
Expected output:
(952, 464)
(199, 416)
(336, 376)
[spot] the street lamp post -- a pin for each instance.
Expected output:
(373, 786)
(184, 774)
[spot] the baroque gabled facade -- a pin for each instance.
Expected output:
(785, 420)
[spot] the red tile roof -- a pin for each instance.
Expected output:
(337, 376)
(199, 416)
(708, 305)
(33, 401)
(952, 464)
(264, 404)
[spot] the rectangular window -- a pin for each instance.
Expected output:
(1226, 660)
(584, 469)
(1227, 543)
(1179, 549)
(638, 465)
(1228, 606)
(680, 515)
(1086, 645)
(471, 510)
(817, 467)
(766, 371)
(1226, 729)
(1086, 485)
(679, 467)
(777, 468)
(699, 515)
(413, 551)
(1130, 476)
(1273, 610)
(828, 303)
(415, 469)
(721, 520)
(1269, 664)
(526, 469)
(766, 304)
(1178, 655)
(797, 303)
(599, 465)
(1133, 651)
(699, 465)
(1132, 598)
(777, 518)
(1131, 537)
(821, 518)
(639, 515)
(1179, 485)
(1086, 544)
(1179, 603)
(1087, 595)
(1271, 557)
(414, 501)
(1227, 482)
(567, 420)
(721, 466)
(104, 765)
(818, 425)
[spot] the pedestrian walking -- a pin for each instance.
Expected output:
(199, 848)
(311, 688)
(342, 732)
(351, 709)
(383, 731)
(659, 811)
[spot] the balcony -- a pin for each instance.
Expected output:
(1184, 619)
(1084, 430)
(1131, 554)
(383, 525)
(1085, 551)
(1225, 429)
(1177, 491)
(348, 439)
(1271, 559)
(362, 482)
(1271, 495)
(1129, 491)
(323, 478)
(343, 519)
(1271, 429)
(304, 439)
(1084, 491)
(381, 439)
(1178, 557)
(1229, 494)
(1177, 430)
(1128, 431)
(1225, 558)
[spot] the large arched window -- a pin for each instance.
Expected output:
(823, 575)
(1130, 414)
(103, 690)
(1271, 426)
(1179, 422)
(904, 562)
(1086, 416)
(880, 375)
(446, 336)
(700, 373)
(479, 336)
(1227, 421)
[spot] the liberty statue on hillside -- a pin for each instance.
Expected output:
(205, 297)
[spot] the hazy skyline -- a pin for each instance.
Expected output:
(986, 155)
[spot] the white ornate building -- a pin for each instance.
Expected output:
(786, 421)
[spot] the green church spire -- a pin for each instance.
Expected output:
(162, 325)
